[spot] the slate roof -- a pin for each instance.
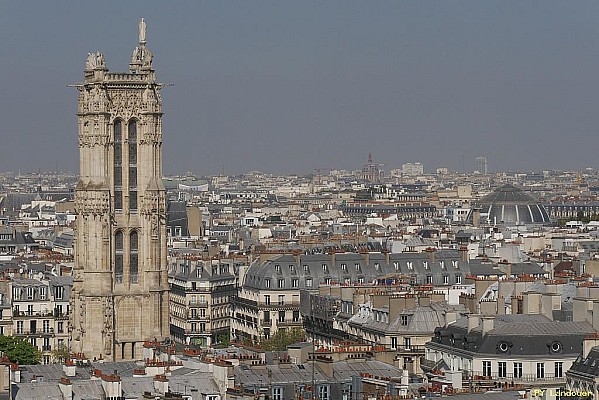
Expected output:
(588, 365)
(343, 267)
(523, 335)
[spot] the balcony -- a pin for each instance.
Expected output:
(547, 378)
(46, 348)
(409, 349)
(266, 322)
(288, 305)
(194, 317)
(36, 314)
(289, 322)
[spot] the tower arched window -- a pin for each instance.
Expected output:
(118, 257)
(133, 257)
(132, 131)
(118, 165)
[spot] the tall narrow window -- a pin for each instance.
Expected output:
(118, 257)
(132, 165)
(118, 165)
(133, 257)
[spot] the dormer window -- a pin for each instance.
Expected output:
(442, 264)
(325, 268)
(377, 266)
(425, 264)
(277, 268)
(306, 269)
(344, 267)
(455, 264)
(410, 265)
(396, 265)
(292, 268)
(358, 267)
(404, 320)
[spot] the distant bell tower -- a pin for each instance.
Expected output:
(120, 288)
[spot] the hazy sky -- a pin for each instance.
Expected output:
(289, 86)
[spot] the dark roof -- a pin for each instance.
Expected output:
(516, 335)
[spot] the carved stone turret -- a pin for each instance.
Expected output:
(120, 290)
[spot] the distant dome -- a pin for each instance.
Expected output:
(510, 205)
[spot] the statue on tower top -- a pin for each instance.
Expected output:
(142, 32)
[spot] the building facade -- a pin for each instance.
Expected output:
(120, 288)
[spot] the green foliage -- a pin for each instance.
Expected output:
(19, 351)
(61, 353)
(224, 340)
(283, 338)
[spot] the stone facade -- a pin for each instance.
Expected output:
(120, 287)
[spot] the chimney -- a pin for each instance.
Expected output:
(505, 267)
(464, 253)
(595, 320)
(532, 303)
(450, 317)
(488, 323)
(366, 256)
(405, 378)
(473, 321)
(66, 388)
(111, 384)
(476, 217)
(424, 300)
(431, 254)
(161, 384)
(581, 308)
(69, 368)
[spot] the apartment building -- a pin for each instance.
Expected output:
(200, 299)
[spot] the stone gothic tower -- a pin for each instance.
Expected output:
(120, 289)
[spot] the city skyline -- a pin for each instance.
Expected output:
(283, 88)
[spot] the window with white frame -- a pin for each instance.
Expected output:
(487, 368)
(277, 393)
(559, 369)
(540, 370)
(324, 392)
(502, 369)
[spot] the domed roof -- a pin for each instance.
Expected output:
(508, 194)
(509, 204)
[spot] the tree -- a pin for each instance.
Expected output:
(61, 353)
(283, 338)
(19, 351)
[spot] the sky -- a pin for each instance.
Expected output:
(290, 86)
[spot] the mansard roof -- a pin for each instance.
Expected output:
(441, 266)
(516, 335)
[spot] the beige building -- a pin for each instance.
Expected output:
(201, 292)
(120, 288)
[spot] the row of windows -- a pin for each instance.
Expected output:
(41, 292)
(348, 281)
(558, 369)
(132, 164)
(133, 257)
(377, 266)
